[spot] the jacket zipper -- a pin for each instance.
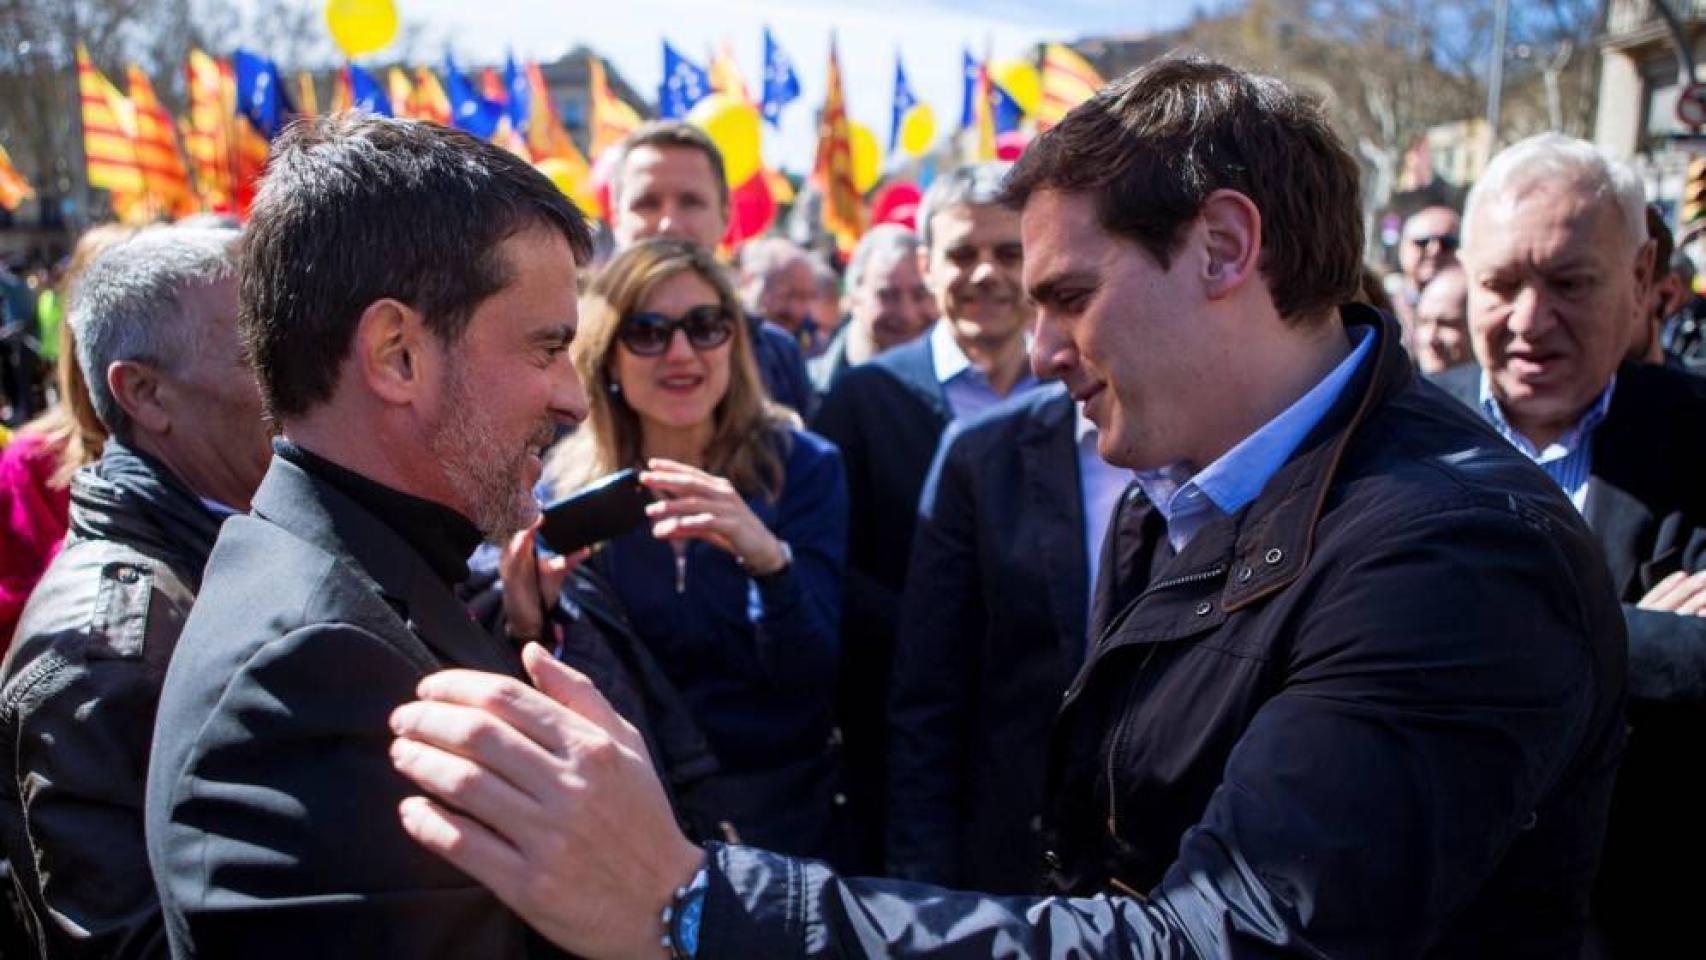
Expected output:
(1218, 570)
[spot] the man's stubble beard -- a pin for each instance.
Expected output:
(485, 477)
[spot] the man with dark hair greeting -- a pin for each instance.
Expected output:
(407, 298)
(1282, 741)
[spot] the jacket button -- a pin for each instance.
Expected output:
(1051, 860)
(1245, 574)
(1274, 556)
(1204, 608)
(841, 799)
(1037, 824)
(1529, 821)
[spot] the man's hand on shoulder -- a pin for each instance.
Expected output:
(1680, 593)
(548, 798)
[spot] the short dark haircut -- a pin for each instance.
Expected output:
(672, 135)
(1150, 147)
(356, 208)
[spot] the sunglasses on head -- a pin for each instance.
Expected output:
(649, 334)
(1446, 241)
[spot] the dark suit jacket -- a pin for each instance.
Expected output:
(1646, 504)
(886, 416)
(992, 630)
(272, 804)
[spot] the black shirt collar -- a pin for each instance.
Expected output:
(443, 537)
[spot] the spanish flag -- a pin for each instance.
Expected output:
(843, 212)
(14, 189)
(1068, 80)
(612, 118)
(163, 173)
(109, 136)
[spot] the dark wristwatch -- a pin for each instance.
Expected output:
(681, 917)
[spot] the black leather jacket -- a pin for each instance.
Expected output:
(81, 684)
(1375, 713)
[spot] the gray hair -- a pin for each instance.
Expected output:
(127, 305)
(884, 243)
(975, 184)
(1554, 156)
(765, 256)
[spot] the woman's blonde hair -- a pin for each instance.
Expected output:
(70, 427)
(749, 429)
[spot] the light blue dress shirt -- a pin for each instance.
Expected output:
(1100, 484)
(1189, 500)
(1568, 460)
(966, 388)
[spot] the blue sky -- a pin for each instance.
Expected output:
(928, 34)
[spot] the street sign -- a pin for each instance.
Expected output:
(1691, 105)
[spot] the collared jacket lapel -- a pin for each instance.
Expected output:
(318, 513)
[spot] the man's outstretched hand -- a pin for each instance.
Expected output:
(547, 797)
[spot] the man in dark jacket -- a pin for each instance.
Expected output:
(1357, 679)
(887, 417)
(156, 321)
(992, 629)
(1557, 236)
(408, 298)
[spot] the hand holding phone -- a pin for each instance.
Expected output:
(607, 509)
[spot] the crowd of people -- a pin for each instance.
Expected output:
(1099, 568)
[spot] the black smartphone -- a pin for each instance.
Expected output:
(609, 508)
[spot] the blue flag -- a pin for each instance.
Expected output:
(520, 104)
(1008, 113)
(260, 93)
(968, 96)
(367, 94)
(468, 110)
(685, 83)
(904, 100)
(781, 85)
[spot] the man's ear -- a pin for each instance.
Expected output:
(390, 351)
(137, 388)
(1232, 228)
(1647, 267)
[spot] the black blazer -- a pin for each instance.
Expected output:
(886, 416)
(992, 630)
(272, 804)
(1646, 504)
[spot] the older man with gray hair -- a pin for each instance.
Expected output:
(887, 302)
(887, 417)
(1559, 262)
(155, 319)
(777, 283)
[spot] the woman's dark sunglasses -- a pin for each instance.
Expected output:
(649, 334)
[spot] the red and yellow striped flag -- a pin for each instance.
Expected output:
(109, 132)
(210, 137)
(343, 94)
(843, 212)
(612, 118)
(1068, 80)
(983, 115)
(14, 189)
(163, 173)
(430, 102)
(401, 92)
(307, 99)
